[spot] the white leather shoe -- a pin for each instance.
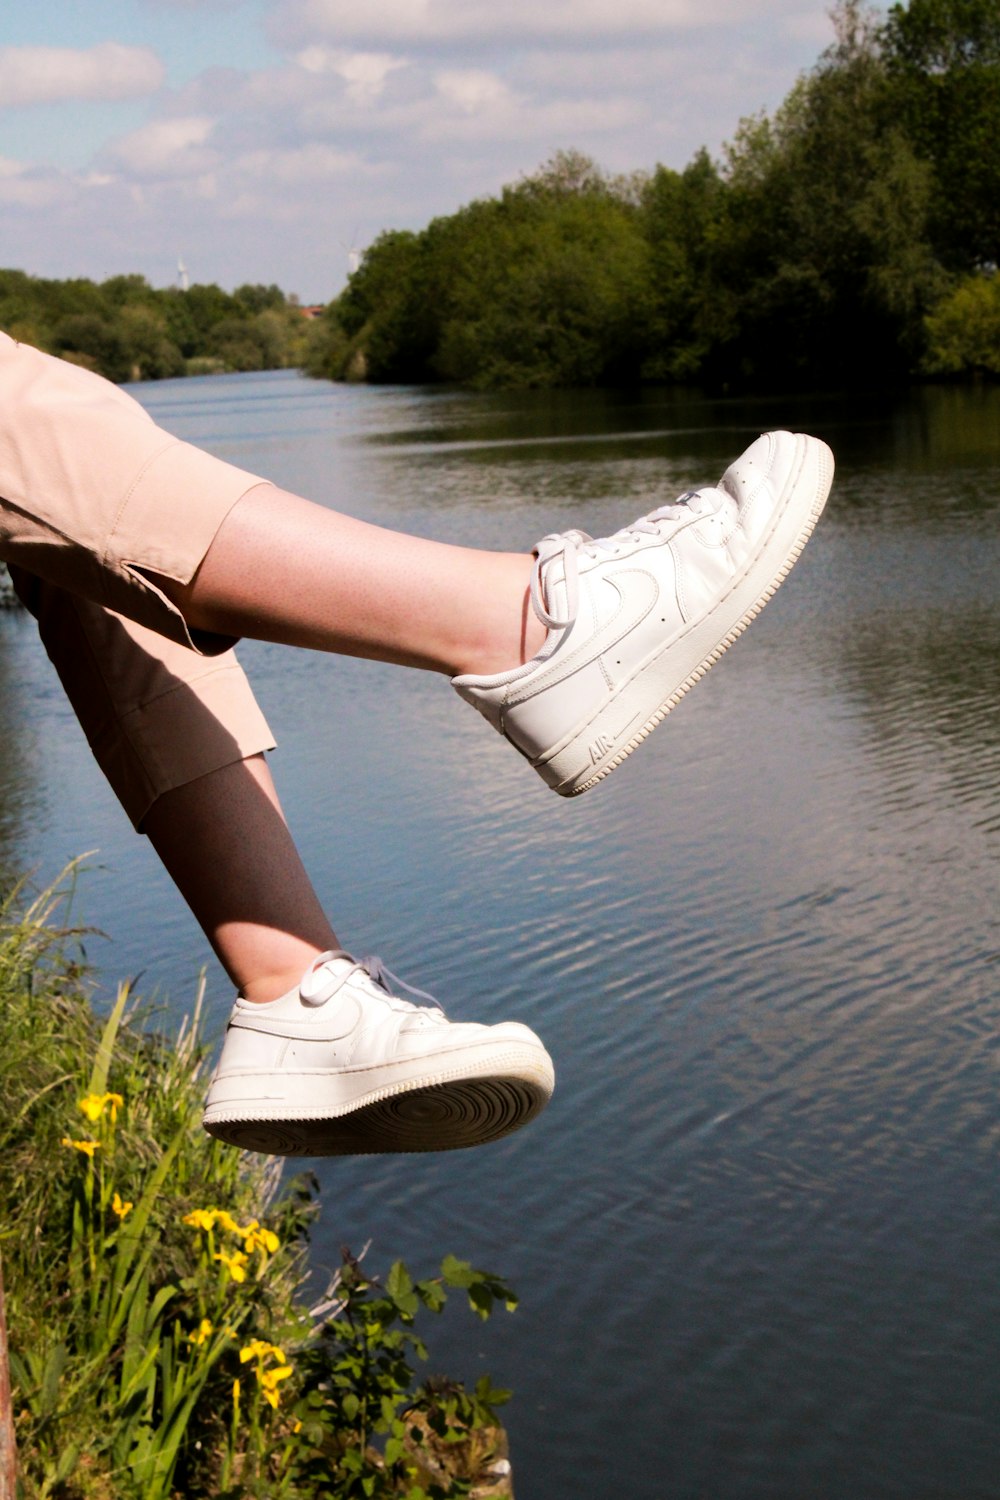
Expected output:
(636, 618)
(342, 1066)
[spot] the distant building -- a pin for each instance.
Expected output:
(316, 311)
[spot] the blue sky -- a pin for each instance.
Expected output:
(264, 140)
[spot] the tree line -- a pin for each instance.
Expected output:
(125, 329)
(854, 235)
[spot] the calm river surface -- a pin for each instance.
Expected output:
(757, 1233)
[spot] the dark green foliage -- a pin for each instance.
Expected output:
(124, 329)
(824, 242)
(365, 1422)
(386, 302)
(547, 285)
(943, 60)
(92, 341)
(690, 308)
(257, 299)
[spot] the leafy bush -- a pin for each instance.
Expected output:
(963, 331)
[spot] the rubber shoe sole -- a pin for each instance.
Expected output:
(433, 1108)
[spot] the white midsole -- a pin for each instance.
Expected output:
(326, 1094)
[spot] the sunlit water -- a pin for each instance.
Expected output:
(757, 1233)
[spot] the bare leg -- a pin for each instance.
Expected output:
(226, 845)
(284, 569)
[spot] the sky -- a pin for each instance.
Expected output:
(272, 140)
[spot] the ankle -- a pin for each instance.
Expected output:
(511, 634)
(264, 988)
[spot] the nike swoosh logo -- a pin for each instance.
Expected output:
(340, 1023)
(643, 595)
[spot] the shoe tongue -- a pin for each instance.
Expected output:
(691, 503)
(708, 499)
(324, 977)
(551, 552)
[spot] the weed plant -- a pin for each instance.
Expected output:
(161, 1339)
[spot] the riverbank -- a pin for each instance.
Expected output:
(165, 1334)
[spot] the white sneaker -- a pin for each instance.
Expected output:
(342, 1066)
(636, 618)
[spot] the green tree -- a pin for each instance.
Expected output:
(384, 310)
(151, 353)
(825, 229)
(94, 342)
(550, 287)
(943, 60)
(546, 285)
(129, 291)
(691, 309)
(204, 307)
(20, 314)
(256, 298)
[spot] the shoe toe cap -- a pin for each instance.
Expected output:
(768, 460)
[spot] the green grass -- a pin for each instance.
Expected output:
(162, 1342)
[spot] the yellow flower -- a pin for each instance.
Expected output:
(235, 1264)
(201, 1218)
(94, 1105)
(207, 1218)
(236, 1393)
(87, 1147)
(256, 1238)
(260, 1350)
(202, 1332)
(119, 1207)
(269, 1383)
(268, 1380)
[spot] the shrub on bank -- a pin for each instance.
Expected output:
(963, 331)
(161, 1342)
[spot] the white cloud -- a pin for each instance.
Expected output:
(476, 21)
(471, 90)
(375, 117)
(567, 122)
(23, 187)
(559, 71)
(47, 75)
(365, 73)
(174, 147)
(301, 164)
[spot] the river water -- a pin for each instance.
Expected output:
(757, 1233)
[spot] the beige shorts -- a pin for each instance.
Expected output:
(94, 498)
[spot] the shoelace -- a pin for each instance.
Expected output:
(319, 984)
(572, 543)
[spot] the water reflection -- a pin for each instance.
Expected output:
(755, 1234)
